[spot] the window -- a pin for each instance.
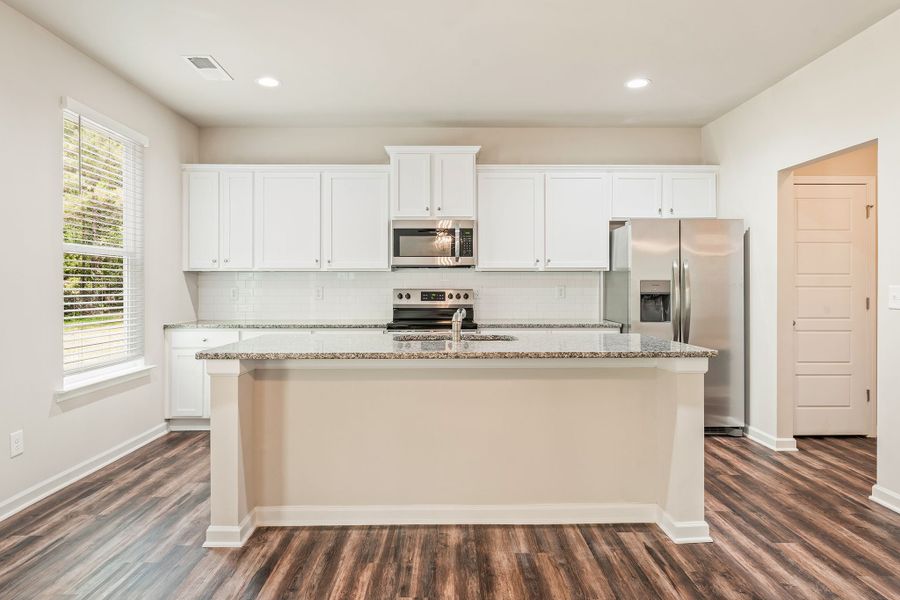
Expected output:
(103, 257)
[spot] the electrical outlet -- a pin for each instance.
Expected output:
(16, 443)
(234, 293)
(560, 291)
(320, 293)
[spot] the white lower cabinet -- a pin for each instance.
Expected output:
(188, 383)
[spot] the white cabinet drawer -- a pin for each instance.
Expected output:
(203, 338)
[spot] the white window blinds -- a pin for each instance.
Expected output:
(103, 252)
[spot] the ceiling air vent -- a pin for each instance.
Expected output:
(208, 67)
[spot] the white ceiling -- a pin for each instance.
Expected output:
(457, 62)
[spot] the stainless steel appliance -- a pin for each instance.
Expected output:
(447, 243)
(683, 280)
(432, 310)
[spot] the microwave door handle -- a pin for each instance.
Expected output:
(456, 239)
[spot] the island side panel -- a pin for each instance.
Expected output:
(487, 445)
(680, 439)
(232, 452)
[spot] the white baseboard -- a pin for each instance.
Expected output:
(771, 442)
(223, 536)
(885, 497)
(188, 424)
(683, 532)
(454, 514)
(41, 490)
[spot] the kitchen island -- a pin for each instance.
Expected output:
(547, 427)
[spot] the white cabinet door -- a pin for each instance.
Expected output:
(356, 221)
(188, 388)
(236, 221)
(411, 189)
(287, 224)
(510, 221)
(453, 185)
(577, 221)
(636, 195)
(201, 189)
(689, 195)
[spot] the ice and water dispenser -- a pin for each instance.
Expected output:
(655, 300)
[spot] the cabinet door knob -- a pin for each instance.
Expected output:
(317, 260)
(439, 208)
(671, 211)
(214, 261)
(427, 209)
(227, 260)
(659, 210)
(329, 261)
(548, 261)
(204, 339)
(537, 261)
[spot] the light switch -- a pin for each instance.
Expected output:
(894, 297)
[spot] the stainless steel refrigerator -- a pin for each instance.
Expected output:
(683, 280)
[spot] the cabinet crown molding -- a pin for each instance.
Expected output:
(434, 149)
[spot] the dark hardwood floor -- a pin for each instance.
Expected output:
(790, 525)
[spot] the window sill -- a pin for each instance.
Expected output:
(85, 383)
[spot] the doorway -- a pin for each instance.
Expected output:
(827, 282)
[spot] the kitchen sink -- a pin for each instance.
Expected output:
(445, 337)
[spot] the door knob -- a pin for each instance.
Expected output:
(214, 261)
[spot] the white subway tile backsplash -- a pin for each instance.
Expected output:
(359, 296)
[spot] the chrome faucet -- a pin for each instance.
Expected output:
(456, 324)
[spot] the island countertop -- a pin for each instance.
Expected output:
(524, 345)
(378, 324)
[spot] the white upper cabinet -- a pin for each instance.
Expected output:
(355, 221)
(510, 221)
(411, 184)
(453, 185)
(577, 212)
(432, 182)
(201, 202)
(689, 195)
(636, 195)
(287, 220)
(236, 221)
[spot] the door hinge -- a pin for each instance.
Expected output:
(867, 303)
(869, 208)
(868, 395)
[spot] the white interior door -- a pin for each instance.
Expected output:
(832, 362)
(356, 220)
(236, 217)
(510, 221)
(288, 221)
(577, 210)
(202, 192)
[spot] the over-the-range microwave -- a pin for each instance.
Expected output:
(447, 243)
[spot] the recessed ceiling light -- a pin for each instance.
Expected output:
(637, 83)
(268, 82)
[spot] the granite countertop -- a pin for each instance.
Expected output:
(528, 344)
(270, 324)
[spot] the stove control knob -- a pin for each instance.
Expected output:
(449, 295)
(465, 296)
(407, 296)
(400, 296)
(458, 296)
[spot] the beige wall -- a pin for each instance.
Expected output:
(839, 101)
(861, 161)
(499, 145)
(36, 70)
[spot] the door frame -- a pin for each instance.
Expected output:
(786, 301)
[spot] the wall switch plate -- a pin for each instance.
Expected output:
(560, 291)
(894, 297)
(320, 293)
(16, 443)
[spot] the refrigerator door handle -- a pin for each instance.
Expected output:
(676, 303)
(686, 320)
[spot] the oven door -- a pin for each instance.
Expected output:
(432, 244)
